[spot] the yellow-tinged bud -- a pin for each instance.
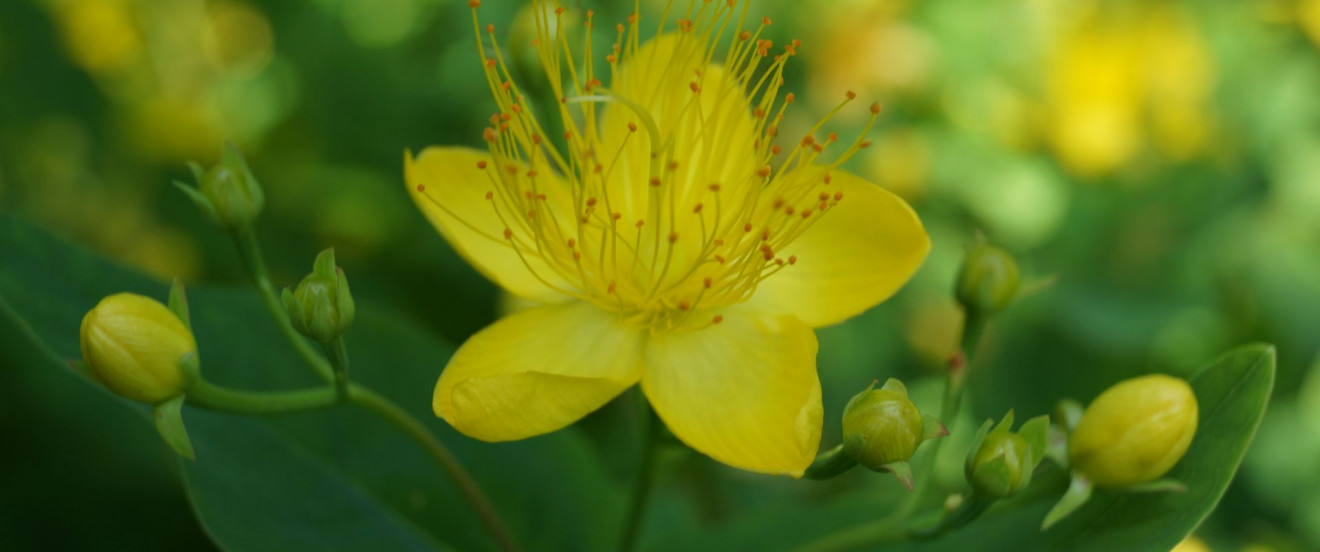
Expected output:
(133, 344)
(321, 307)
(1135, 431)
(988, 279)
(882, 427)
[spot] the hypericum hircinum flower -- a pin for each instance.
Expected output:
(674, 237)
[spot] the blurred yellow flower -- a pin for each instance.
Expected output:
(1116, 85)
(100, 35)
(667, 244)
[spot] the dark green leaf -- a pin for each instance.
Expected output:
(339, 479)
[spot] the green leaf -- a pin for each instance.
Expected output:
(339, 479)
(1232, 392)
(169, 423)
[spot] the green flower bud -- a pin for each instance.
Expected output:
(321, 307)
(1000, 462)
(134, 344)
(882, 428)
(228, 193)
(988, 279)
(1134, 432)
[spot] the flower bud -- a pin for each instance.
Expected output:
(988, 279)
(134, 344)
(228, 193)
(1000, 462)
(997, 467)
(321, 307)
(1135, 431)
(882, 427)
(233, 190)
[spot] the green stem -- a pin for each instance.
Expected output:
(971, 508)
(338, 355)
(224, 399)
(246, 241)
(830, 463)
(392, 413)
(650, 432)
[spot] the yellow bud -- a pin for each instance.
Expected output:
(134, 344)
(1135, 431)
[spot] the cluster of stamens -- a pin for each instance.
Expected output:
(645, 213)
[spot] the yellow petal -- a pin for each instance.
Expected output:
(855, 256)
(453, 197)
(743, 391)
(710, 140)
(537, 371)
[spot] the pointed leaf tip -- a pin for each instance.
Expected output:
(903, 472)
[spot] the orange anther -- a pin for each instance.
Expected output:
(474, 4)
(673, 237)
(640, 223)
(684, 305)
(766, 21)
(616, 216)
(632, 127)
(707, 282)
(697, 209)
(792, 259)
(745, 35)
(488, 134)
(875, 108)
(490, 195)
(718, 318)
(655, 182)
(421, 187)
(481, 164)
(508, 234)
(715, 187)
(838, 196)
(747, 227)
(571, 242)
(490, 62)
(851, 95)
(774, 150)
(490, 29)
(591, 201)
(763, 171)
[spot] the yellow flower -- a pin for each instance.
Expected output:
(669, 240)
(1135, 431)
(134, 344)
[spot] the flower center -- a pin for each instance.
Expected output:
(671, 196)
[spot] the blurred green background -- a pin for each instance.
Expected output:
(1154, 164)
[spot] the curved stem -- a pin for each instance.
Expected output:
(246, 241)
(650, 431)
(830, 463)
(224, 399)
(392, 413)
